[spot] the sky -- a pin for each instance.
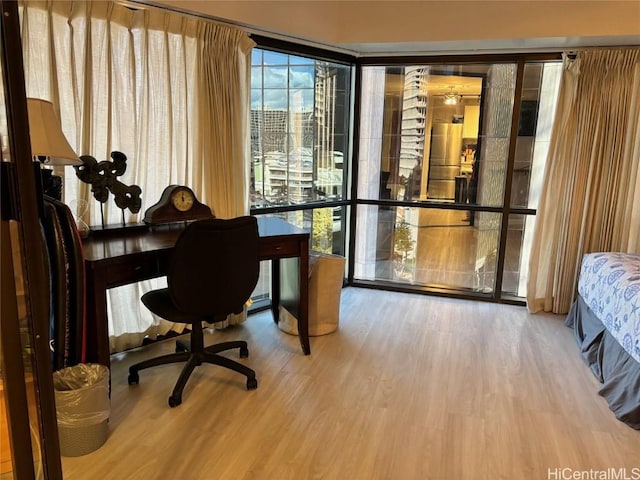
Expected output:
(288, 81)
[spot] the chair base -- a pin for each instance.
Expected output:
(195, 354)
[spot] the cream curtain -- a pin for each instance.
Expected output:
(169, 91)
(224, 124)
(590, 199)
(224, 118)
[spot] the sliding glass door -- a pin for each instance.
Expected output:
(450, 158)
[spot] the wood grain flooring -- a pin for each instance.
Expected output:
(409, 387)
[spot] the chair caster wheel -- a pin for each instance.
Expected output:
(133, 379)
(244, 352)
(252, 384)
(174, 401)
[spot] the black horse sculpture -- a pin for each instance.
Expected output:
(103, 178)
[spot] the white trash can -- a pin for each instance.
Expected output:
(82, 407)
(326, 275)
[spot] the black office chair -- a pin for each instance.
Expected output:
(214, 269)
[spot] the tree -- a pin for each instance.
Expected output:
(322, 234)
(402, 239)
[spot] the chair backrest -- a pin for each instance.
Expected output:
(215, 266)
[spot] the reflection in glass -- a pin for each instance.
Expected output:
(425, 247)
(275, 77)
(324, 225)
(302, 77)
(21, 288)
(256, 77)
(273, 58)
(298, 139)
(25, 348)
(299, 97)
(296, 60)
(326, 235)
(419, 145)
(256, 57)
(274, 99)
(512, 265)
(537, 111)
(6, 467)
(256, 98)
(439, 134)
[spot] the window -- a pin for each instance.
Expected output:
(300, 145)
(300, 114)
(449, 166)
(446, 195)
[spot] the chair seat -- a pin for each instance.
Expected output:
(159, 302)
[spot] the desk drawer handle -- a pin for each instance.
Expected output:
(137, 268)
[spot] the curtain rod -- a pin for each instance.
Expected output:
(142, 4)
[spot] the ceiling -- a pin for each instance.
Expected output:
(397, 27)
(488, 46)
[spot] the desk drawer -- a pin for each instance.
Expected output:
(134, 270)
(279, 248)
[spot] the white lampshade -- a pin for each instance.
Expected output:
(47, 139)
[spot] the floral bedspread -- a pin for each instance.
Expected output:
(610, 284)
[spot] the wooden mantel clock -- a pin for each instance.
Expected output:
(177, 204)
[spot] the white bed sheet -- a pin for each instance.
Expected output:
(609, 283)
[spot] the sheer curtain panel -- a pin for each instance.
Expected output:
(139, 80)
(591, 194)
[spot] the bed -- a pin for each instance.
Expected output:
(605, 319)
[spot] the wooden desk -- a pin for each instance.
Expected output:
(119, 258)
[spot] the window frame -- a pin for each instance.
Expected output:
(351, 202)
(506, 209)
(290, 48)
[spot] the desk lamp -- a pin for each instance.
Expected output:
(49, 146)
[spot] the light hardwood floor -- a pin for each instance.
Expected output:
(409, 387)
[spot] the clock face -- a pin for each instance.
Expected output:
(182, 199)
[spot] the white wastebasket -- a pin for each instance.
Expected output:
(82, 407)
(326, 274)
